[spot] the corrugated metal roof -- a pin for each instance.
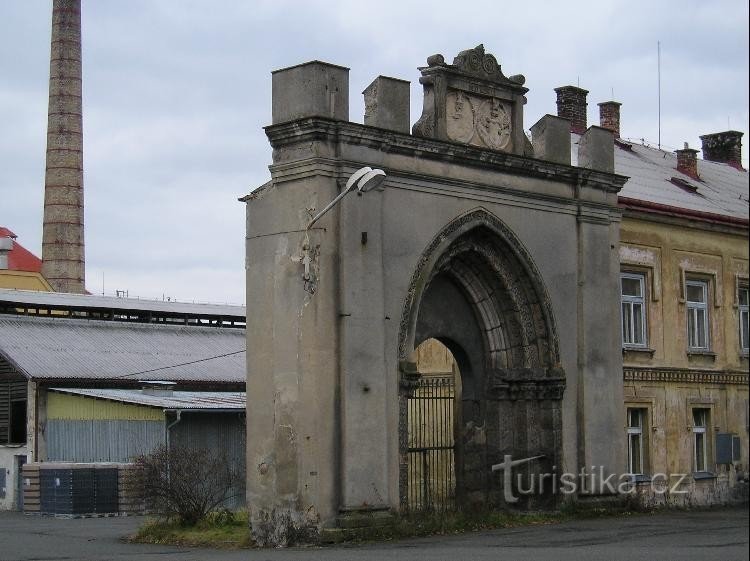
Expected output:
(721, 190)
(177, 400)
(50, 299)
(62, 348)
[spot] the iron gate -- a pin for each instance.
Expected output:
(431, 478)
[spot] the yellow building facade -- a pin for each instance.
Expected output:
(684, 287)
(24, 280)
(19, 268)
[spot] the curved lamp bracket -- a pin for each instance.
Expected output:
(366, 179)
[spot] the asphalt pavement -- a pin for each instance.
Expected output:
(717, 534)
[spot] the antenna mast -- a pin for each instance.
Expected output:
(658, 78)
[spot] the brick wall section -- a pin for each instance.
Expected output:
(724, 147)
(131, 494)
(571, 104)
(31, 488)
(609, 116)
(687, 161)
(62, 237)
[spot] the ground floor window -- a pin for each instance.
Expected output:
(744, 319)
(700, 439)
(12, 411)
(636, 437)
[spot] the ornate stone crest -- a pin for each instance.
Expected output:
(460, 110)
(473, 102)
(478, 121)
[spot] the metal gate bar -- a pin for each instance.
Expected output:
(431, 481)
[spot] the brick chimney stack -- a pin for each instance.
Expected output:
(571, 105)
(724, 147)
(687, 161)
(62, 237)
(609, 116)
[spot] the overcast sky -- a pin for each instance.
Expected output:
(176, 92)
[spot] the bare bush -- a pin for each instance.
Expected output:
(186, 484)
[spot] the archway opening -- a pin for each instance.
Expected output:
(433, 416)
(480, 296)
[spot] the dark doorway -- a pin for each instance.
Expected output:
(20, 462)
(18, 421)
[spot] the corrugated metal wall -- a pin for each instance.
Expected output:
(78, 407)
(101, 440)
(223, 432)
(81, 429)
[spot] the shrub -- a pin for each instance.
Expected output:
(186, 484)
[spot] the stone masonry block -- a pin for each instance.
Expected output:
(387, 104)
(312, 89)
(551, 139)
(596, 150)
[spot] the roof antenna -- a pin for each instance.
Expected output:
(658, 78)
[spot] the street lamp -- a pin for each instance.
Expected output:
(366, 179)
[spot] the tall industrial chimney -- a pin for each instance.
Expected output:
(62, 238)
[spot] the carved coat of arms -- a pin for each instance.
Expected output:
(478, 121)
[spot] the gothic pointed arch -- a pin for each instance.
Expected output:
(477, 290)
(471, 248)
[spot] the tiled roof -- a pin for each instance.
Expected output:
(95, 350)
(20, 258)
(721, 190)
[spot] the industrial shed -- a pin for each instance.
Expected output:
(97, 379)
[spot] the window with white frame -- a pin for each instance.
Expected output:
(742, 299)
(636, 440)
(701, 418)
(697, 314)
(633, 306)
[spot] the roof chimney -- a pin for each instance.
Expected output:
(609, 116)
(6, 245)
(724, 147)
(687, 161)
(159, 388)
(62, 237)
(571, 105)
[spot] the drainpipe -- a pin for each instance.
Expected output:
(170, 425)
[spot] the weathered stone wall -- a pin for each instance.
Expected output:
(334, 309)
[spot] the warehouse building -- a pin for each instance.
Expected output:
(96, 379)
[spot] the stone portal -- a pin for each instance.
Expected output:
(491, 243)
